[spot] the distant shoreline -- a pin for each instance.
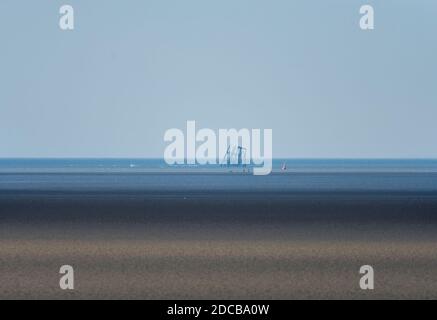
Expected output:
(158, 166)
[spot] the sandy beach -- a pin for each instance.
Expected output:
(217, 245)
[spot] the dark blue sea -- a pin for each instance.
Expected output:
(154, 176)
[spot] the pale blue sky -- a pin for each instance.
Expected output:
(133, 69)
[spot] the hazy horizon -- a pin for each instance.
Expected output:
(161, 158)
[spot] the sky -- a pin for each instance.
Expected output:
(133, 69)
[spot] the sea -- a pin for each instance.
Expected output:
(155, 176)
(113, 165)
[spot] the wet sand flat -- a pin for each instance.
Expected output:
(217, 269)
(140, 244)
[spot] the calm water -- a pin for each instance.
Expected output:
(134, 175)
(158, 165)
